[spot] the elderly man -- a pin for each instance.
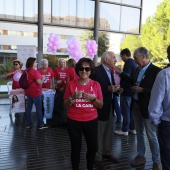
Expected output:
(104, 75)
(159, 109)
(142, 83)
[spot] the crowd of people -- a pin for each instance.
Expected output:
(89, 95)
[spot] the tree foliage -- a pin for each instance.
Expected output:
(103, 41)
(155, 35)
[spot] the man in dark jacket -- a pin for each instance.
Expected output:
(142, 83)
(104, 75)
(126, 96)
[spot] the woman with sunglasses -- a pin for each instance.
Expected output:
(82, 98)
(17, 68)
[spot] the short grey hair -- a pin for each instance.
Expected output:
(142, 51)
(105, 55)
(44, 61)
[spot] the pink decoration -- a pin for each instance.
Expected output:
(54, 43)
(91, 48)
(74, 49)
(17, 76)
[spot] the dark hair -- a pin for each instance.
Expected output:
(84, 60)
(13, 100)
(168, 52)
(30, 62)
(126, 52)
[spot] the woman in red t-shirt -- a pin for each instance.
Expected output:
(82, 98)
(33, 93)
(17, 68)
(49, 74)
(71, 74)
(60, 74)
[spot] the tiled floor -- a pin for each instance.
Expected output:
(33, 149)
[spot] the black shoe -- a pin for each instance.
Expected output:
(44, 126)
(29, 125)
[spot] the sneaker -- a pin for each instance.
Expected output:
(120, 132)
(29, 125)
(133, 132)
(44, 126)
(156, 166)
(139, 160)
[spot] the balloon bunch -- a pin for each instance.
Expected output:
(91, 48)
(17, 76)
(54, 43)
(74, 49)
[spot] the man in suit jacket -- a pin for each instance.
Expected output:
(104, 75)
(142, 83)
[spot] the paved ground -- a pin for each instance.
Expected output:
(33, 149)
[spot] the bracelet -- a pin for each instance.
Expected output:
(93, 100)
(71, 100)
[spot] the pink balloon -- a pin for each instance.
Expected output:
(51, 39)
(50, 44)
(49, 50)
(17, 76)
(52, 35)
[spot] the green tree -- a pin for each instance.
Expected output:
(155, 35)
(103, 41)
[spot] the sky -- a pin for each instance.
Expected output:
(149, 8)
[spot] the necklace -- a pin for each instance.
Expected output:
(84, 83)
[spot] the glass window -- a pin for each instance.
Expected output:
(109, 16)
(128, 2)
(0, 47)
(73, 12)
(69, 37)
(19, 10)
(31, 10)
(1, 58)
(1, 32)
(2, 9)
(130, 19)
(47, 11)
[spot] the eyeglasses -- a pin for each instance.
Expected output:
(84, 68)
(15, 64)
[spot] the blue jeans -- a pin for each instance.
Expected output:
(141, 125)
(128, 121)
(117, 108)
(38, 104)
(164, 143)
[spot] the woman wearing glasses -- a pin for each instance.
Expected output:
(17, 68)
(82, 98)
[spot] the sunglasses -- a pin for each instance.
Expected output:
(15, 64)
(84, 68)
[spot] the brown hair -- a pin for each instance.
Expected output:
(71, 63)
(19, 62)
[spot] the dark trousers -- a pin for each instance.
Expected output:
(76, 129)
(164, 143)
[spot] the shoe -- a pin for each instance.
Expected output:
(111, 158)
(120, 132)
(133, 132)
(139, 160)
(44, 126)
(156, 166)
(100, 165)
(29, 125)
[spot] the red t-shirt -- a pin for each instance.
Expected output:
(71, 74)
(61, 75)
(34, 90)
(83, 110)
(49, 75)
(15, 84)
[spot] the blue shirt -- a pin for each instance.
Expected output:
(159, 106)
(140, 77)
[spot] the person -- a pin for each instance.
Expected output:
(125, 98)
(17, 68)
(82, 98)
(14, 101)
(159, 112)
(49, 74)
(104, 75)
(33, 93)
(60, 74)
(142, 83)
(71, 74)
